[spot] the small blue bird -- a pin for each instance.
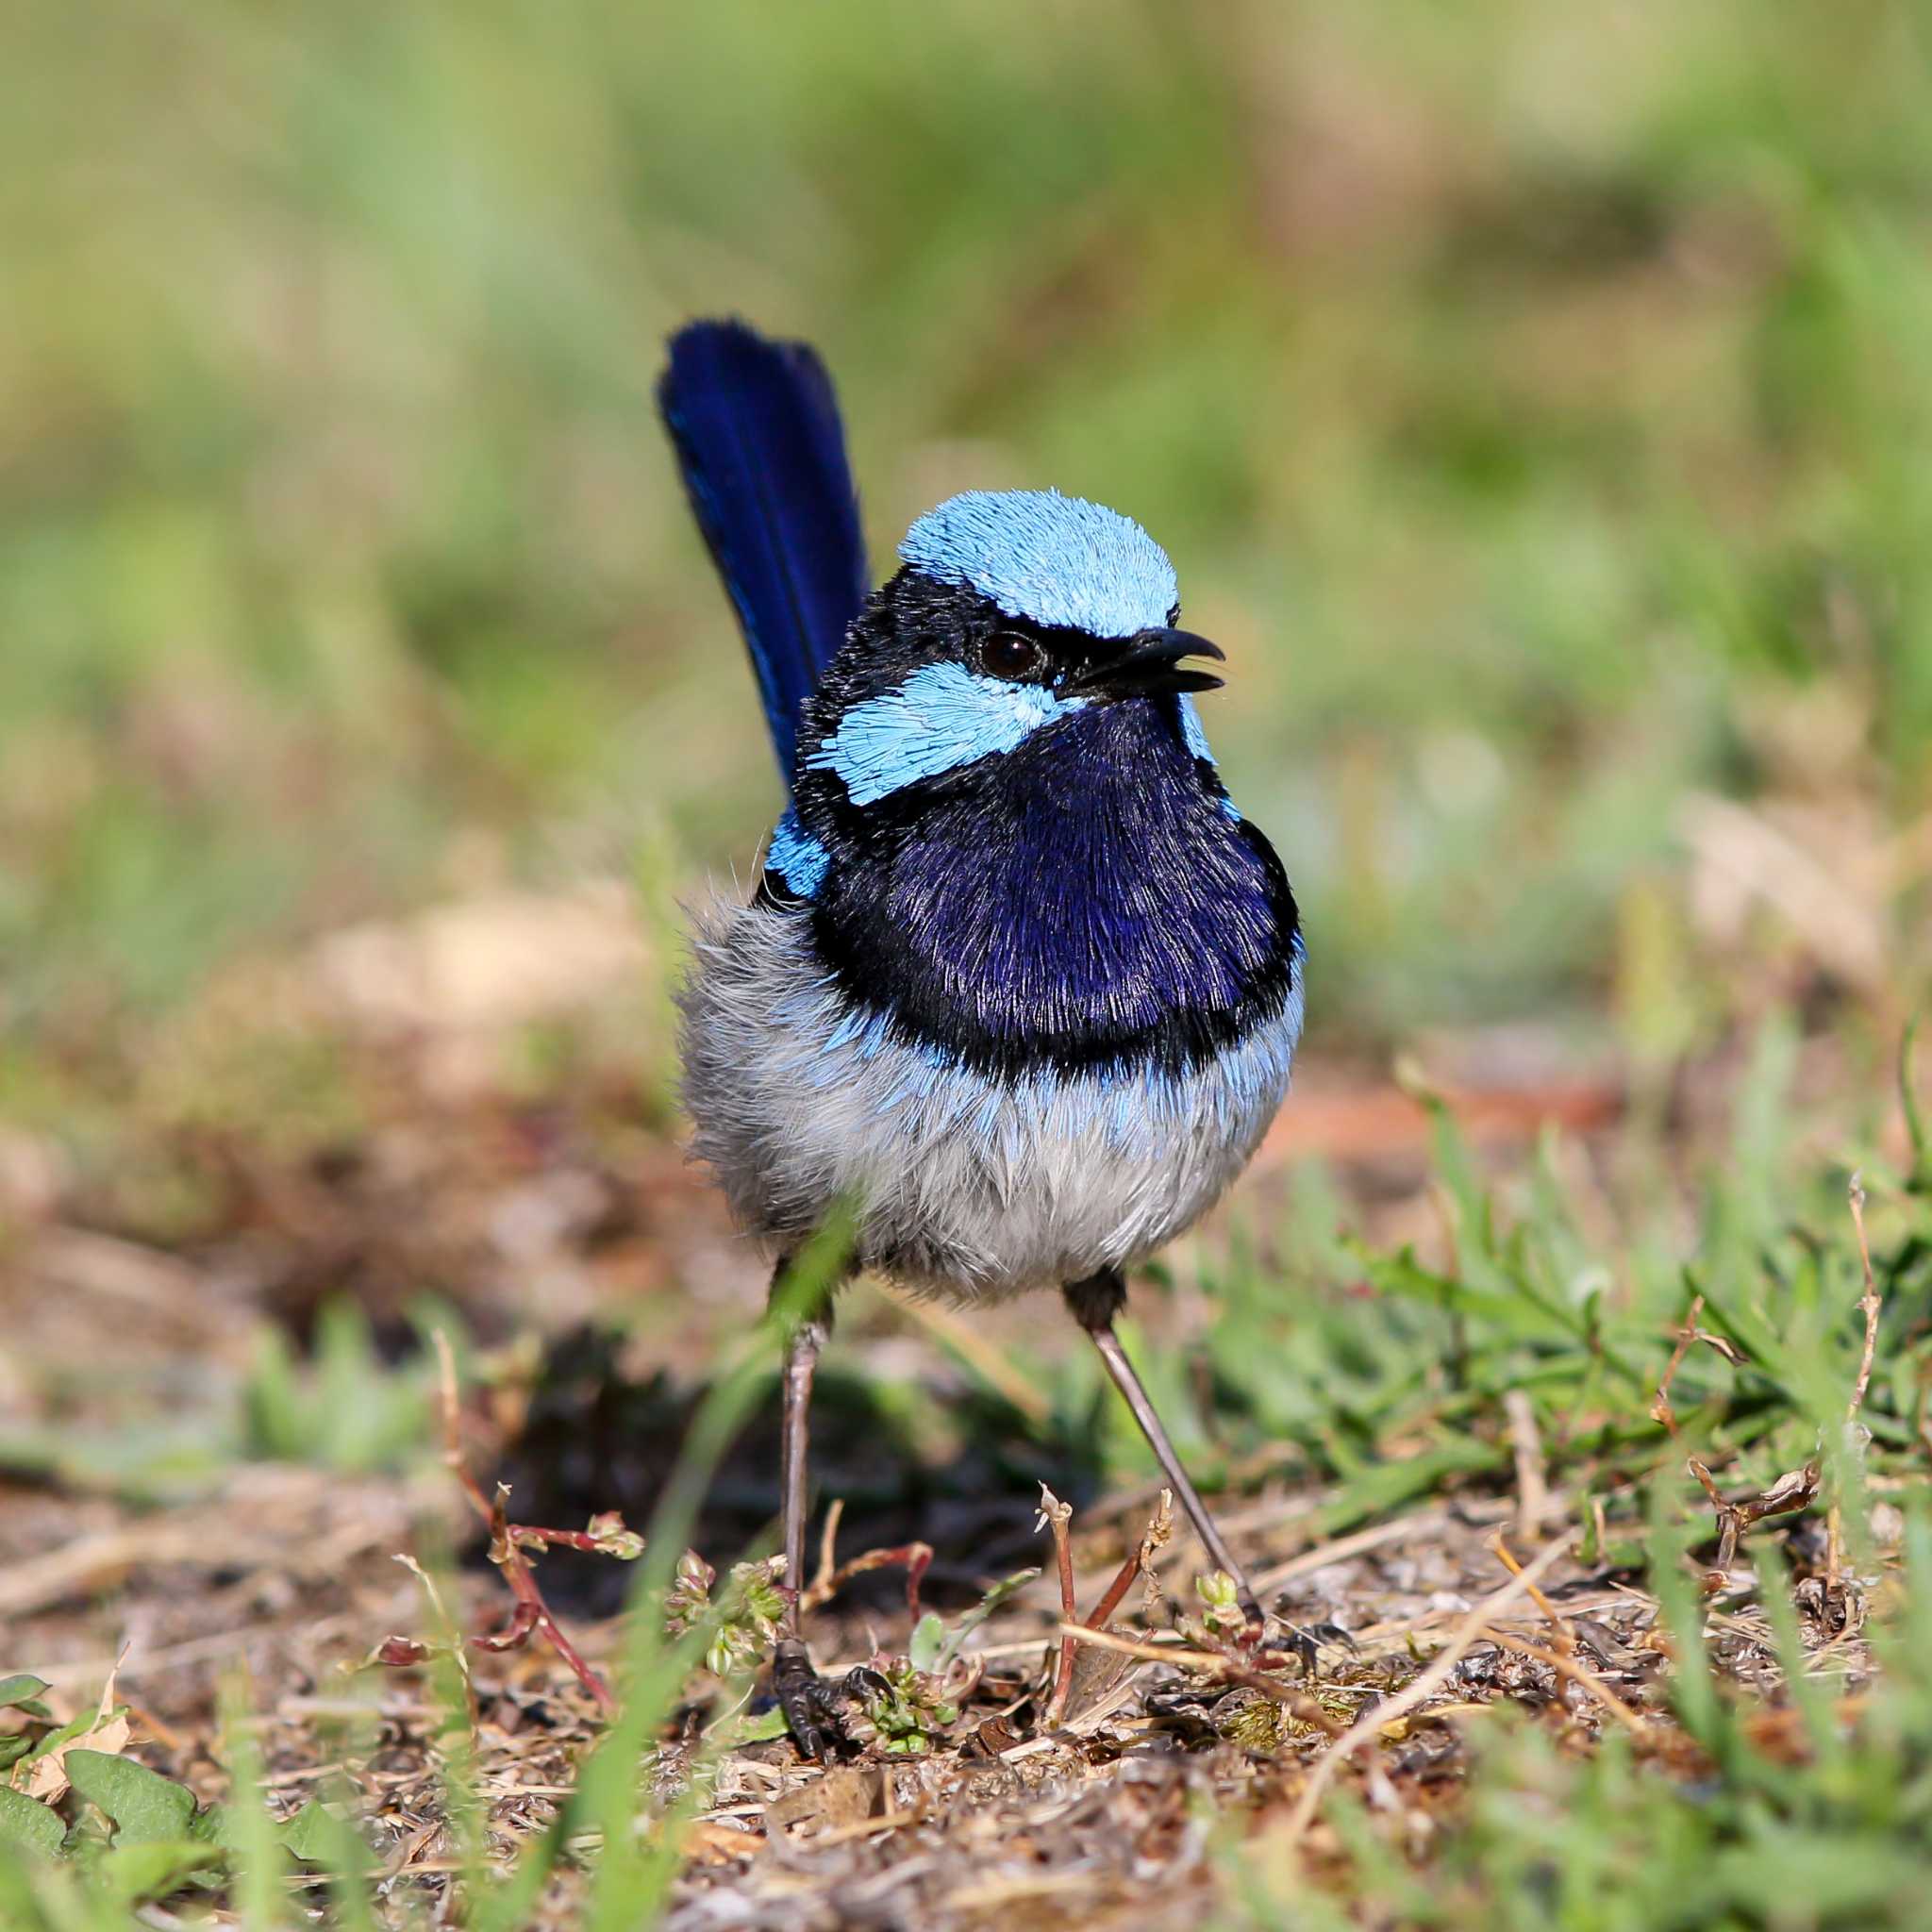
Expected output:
(1019, 983)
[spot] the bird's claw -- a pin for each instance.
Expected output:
(802, 1697)
(1306, 1644)
(812, 1705)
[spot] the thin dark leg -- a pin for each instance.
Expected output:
(801, 1364)
(800, 1694)
(1095, 1304)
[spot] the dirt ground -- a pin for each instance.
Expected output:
(149, 1545)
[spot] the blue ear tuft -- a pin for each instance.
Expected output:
(1054, 559)
(755, 424)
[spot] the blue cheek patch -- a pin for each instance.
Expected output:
(1195, 739)
(1053, 559)
(797, 857)
(1192, 736)
(943, 716)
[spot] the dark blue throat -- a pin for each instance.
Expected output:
(1085, 899)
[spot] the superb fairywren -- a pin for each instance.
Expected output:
(1019, 984)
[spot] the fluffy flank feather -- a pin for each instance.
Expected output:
(756, 424)
(973, 1186)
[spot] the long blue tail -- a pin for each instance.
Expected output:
(757, 428)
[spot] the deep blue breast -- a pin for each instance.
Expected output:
(1084, 897)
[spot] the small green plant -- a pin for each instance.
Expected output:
(1220, 1609)
(90, 1833)
(742, 1625)
(348, 1408)
(910, 1709)
(935, 1644)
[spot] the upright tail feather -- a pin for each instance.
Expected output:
(757, 428)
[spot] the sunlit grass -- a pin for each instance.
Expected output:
(1537, 404)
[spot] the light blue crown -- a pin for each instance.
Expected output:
(1050, 558)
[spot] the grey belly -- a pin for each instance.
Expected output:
(965, 1184)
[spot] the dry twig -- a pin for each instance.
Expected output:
(1370, 1723)
(1567, 1664)
(1869, 1302)
(1661, 1410)
(1340, 1548)
(1057, 1515)
(1141, 1563)
(1218, 1663)
(828, 1546)
(1795, 1490)
(1869, 1306)
(1532, 1486)
(1506, 1556)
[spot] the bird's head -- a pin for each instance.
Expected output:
(1006, 818)
(1015, 611)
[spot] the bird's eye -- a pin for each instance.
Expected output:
(1008, 655)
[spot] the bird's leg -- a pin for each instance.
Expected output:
(801, 1694)
(801, 1363)
(1095, 1304)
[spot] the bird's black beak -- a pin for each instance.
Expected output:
(1148, 664)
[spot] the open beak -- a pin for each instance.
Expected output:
(1149, 665)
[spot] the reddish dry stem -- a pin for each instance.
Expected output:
(1116, 1592)
(1796, 1489)
(530, 1612)
(917, 1558)
(1710, 1488)
(1141, 1563)
(530, 1534)
(516, 1633)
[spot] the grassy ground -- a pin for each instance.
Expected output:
(1535, 402)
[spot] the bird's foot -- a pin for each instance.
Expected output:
(810, 1715)
(1309, 1645)
(1260, 1645)
(812, 1705)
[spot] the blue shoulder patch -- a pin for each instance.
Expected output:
(1050, 558)
(797, 857)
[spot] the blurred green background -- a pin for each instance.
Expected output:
(1536, 401)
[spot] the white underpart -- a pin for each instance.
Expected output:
(966, 1185)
